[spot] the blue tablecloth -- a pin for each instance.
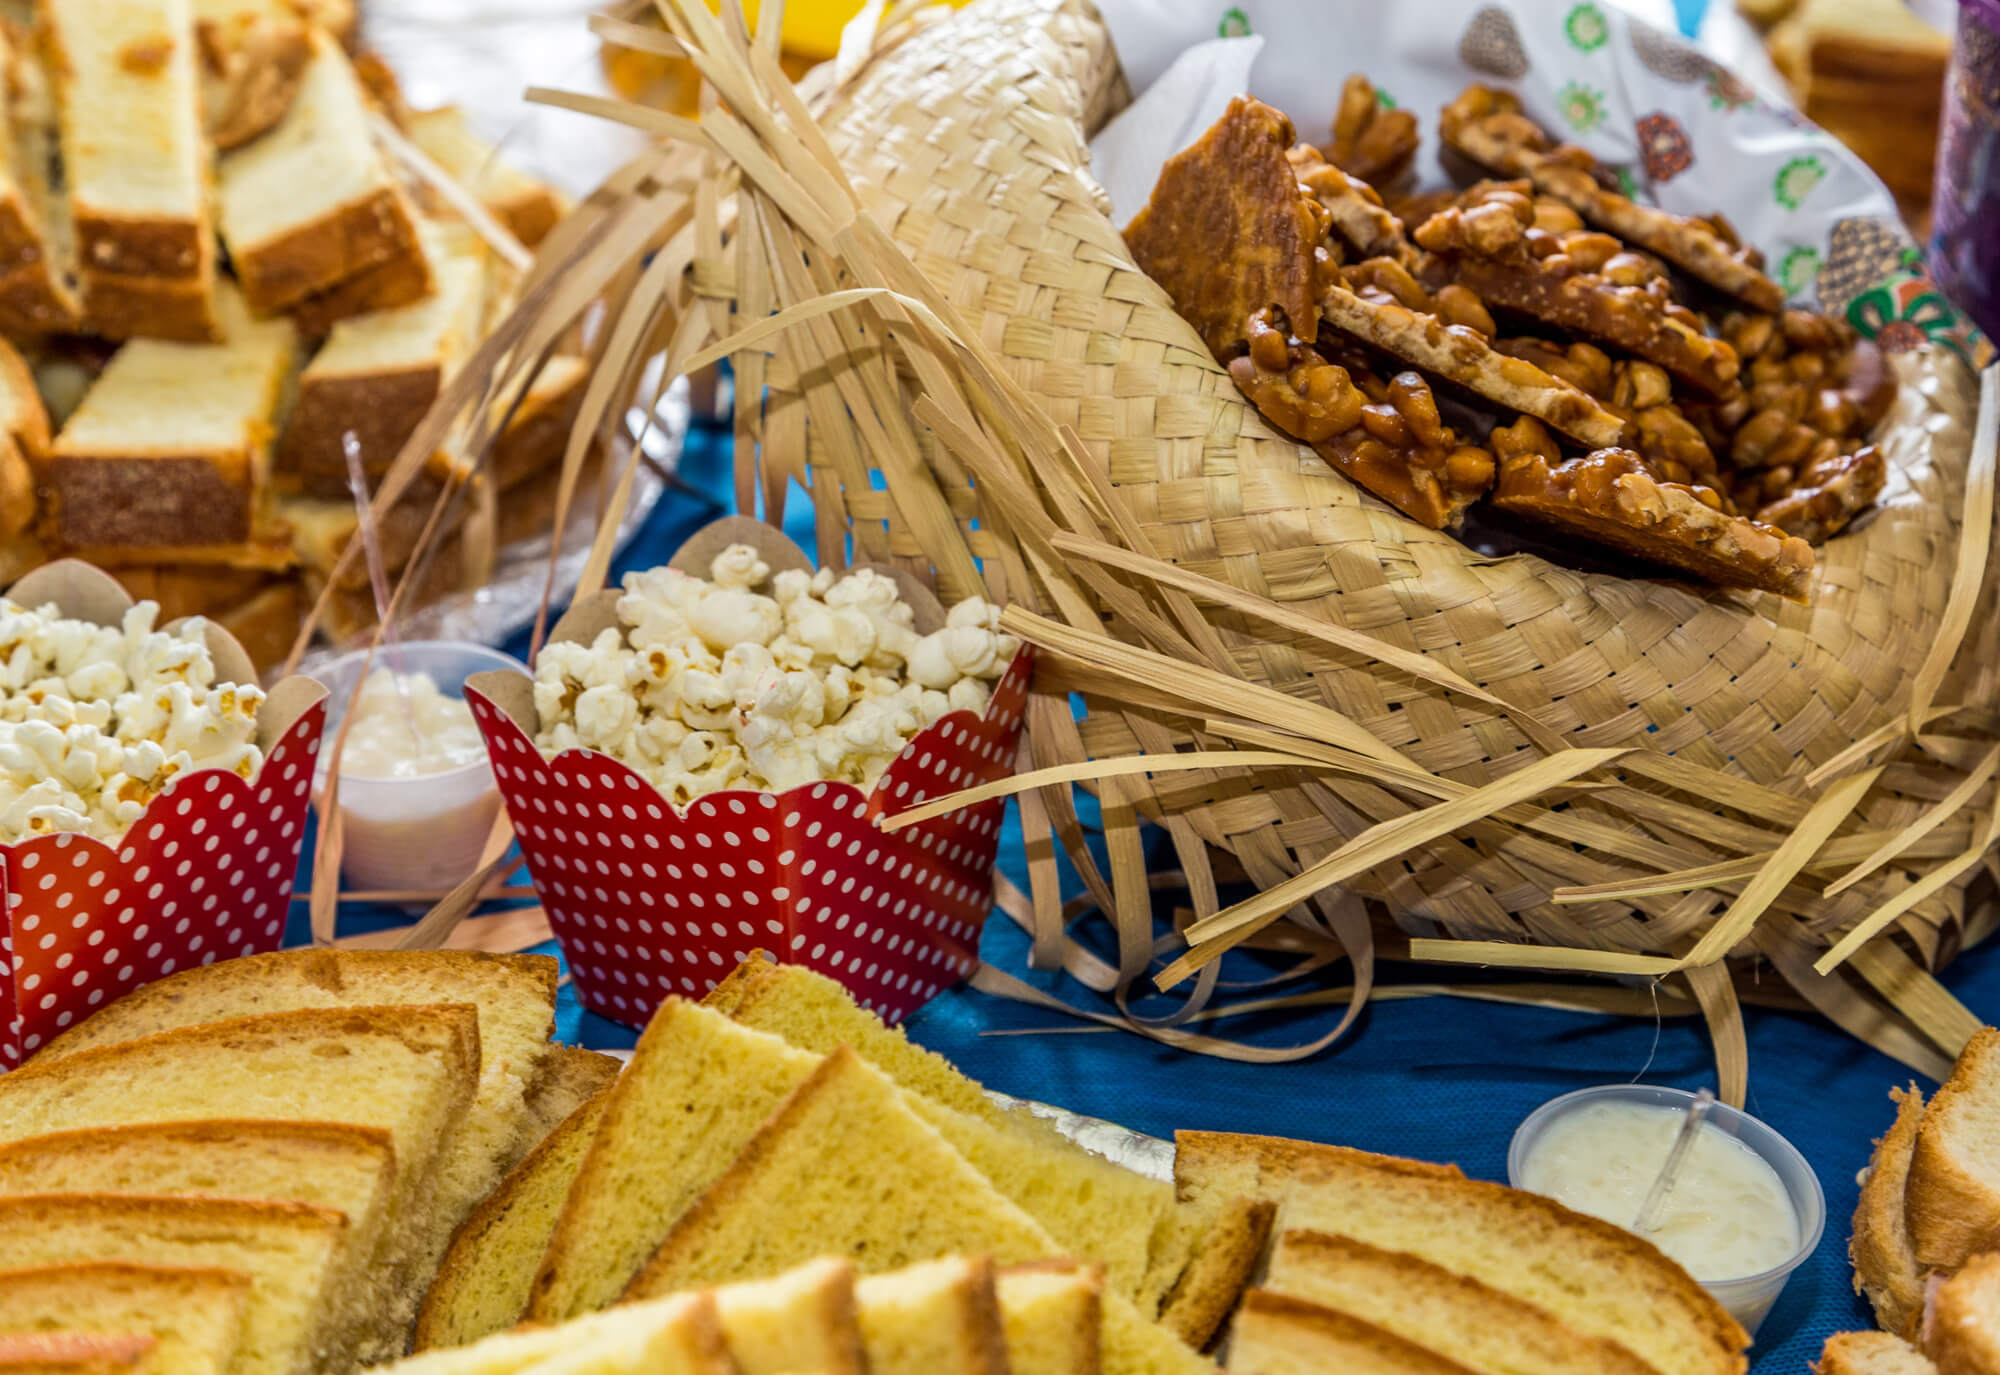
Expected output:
(1442, 1078)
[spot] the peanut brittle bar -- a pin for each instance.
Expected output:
(1488, 127)
(1582, 283)
(1386, 436)
(1610, 498)
(1229, 232)
(1353, 209)
(1370, 140)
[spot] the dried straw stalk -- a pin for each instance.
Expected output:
(927, 312)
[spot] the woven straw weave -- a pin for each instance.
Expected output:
(967, 141)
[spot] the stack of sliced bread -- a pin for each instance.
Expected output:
(954, 1315)
(782, 1122)
(255, 1165)
(138, 140)
(1926, 1243)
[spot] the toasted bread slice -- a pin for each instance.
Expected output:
(528, 207)
(409, 1071)
(862, 1175)
(1953, 1195)
(1580, 1268)
(1453, 1314)
(289, 1251)
(1885, 1267)
(678, 1335)
(118, 477)
(74, 1353)
(1963, 1333)
(665, 1106)
(483, 1282)
(1278, 1335)
(1871, 1353)
(194, 1315)
(802, 1320)
(312, 202)
(38, 289)
(351, 1170)
(1214, 1279)
(938, 1318)
(1051, 1313)
(513, 996)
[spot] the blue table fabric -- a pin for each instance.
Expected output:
(1439, 1078)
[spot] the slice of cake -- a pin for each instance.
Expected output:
(1885, 1266)
(288, 1250)
(135, 160)
(409, 1071)
(938, 1318)
(38, 288)
(312, 202)
(679, 1335)
(74, 1353)
(1221, 1264)
(527, 206)
(1052, 1317)
(1580, 1268)
(351, 1170)
(537, 432)
(377, 375)
(253, 57)
(195, 1316)
(666, 1135)
(1871, 1353)
(513, 996)
(802, 1320)
(1962, 1331)
(482, 1284)
(1455, 1315)
(1277, 1335)
(121, 474)
(1953, 1194)
(859, 1174)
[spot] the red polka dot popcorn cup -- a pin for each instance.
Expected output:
(660, 883)
(152, 799)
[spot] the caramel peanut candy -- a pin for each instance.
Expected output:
(1609, 498)
(1487, 126)
(1385, 436)
(1828, 493)
(1580, 282)
(1464, 357)
(1377, 145)
(1353, 209)
(1229, 231)
(1807, 377)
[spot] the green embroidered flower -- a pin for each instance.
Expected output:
(1628, 185)
(1582, 107)
(1728, 91)
(1235, 24)
(1799, 269)
(1903, 314)
(1586, 28)
(1796, 179)
(1384, 99)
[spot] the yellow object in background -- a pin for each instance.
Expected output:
(810, 35)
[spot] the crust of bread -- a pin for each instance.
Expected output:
(1962, 1335)
(1208, 1290)
(121, 307)
(1870, 1353)
(1885, 1267)
(140, 245)
(398, 281)
(381, 410)
(1951, 1212)
(149, 503)
(262, 551)
(93, 1353)
(1316, 1338)
(362, 235)
(33, 302)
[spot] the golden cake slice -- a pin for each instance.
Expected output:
(1885, 1268)
(804, 1319)
(1051, 1312)
(1229, 231)
(1871, 1353)
(38, 292)
(194, 1315)
(941, 1317)
(1275, 1334)
(678, 1335)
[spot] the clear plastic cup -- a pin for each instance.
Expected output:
(423, 833)
(1747, 1297)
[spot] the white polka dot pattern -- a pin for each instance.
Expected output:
(649, 902)
(204, 874)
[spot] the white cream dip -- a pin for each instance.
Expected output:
(405, 728)
(1728, 1217)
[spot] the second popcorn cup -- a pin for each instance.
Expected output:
(684, 791)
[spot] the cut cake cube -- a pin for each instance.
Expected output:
(313, 202)
(37, 252)
(171, 446)
(1051, 1315)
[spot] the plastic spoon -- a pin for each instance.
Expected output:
(378, 576)
(1656, 1197)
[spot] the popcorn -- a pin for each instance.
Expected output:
(749, 679)
(96, 720)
